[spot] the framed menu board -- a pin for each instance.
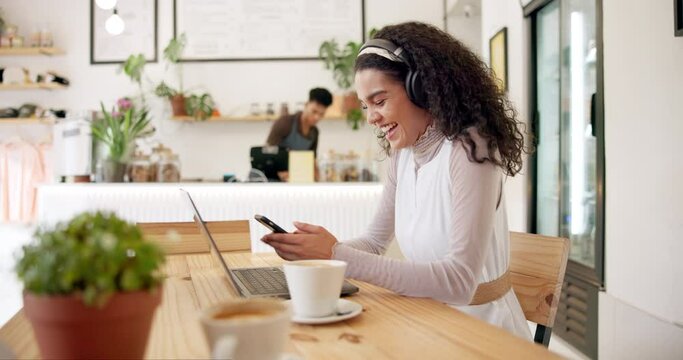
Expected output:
(229, 30)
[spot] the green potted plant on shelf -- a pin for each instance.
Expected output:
(341, 61)
(200, 107)
(117, 131)
(91, 287)
(172, 54)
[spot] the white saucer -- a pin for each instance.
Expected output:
(347, 308)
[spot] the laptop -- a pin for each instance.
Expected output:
(253, 282)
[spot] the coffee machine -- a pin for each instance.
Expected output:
(73, 144)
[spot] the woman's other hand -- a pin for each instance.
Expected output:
(307, 242)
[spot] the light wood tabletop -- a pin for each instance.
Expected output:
(390, 327)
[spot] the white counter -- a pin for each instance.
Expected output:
(344, 209)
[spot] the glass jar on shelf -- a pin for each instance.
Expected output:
(327, 167)
(139, 169)
(348, 167)
(168, 168)
(158, 151)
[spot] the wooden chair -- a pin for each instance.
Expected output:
(186, 238)
(537, 266)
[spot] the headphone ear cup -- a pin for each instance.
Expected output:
(414, 89)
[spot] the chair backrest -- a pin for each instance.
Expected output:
(186, 238)
(537, 266)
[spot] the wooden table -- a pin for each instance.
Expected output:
(391, 326)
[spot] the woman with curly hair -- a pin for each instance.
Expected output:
(452, 137)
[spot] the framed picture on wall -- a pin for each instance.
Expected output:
(498, 57)
(250, 30)
(678, 17)
(139, 33)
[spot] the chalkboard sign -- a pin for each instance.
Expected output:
(227, 30)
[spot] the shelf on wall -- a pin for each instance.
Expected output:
(32, 86)
(245, 118)
(226, 118)
(31, 51)
(27, 121)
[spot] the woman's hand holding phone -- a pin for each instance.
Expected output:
(307, 242)
(270, 224)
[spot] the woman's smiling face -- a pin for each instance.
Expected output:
(388, 108)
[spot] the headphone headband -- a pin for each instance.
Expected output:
(384, 48)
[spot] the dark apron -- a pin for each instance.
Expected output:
(296, 141)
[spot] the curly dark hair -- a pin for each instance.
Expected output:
(460, 91)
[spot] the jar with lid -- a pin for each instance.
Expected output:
(158, 152)
(168, 168)
(349, 167)
(139, 169)
(327, 167)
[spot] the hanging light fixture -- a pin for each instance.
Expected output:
(115, 25)
(105, 4)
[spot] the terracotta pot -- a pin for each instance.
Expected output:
(351, 102)
(178, 105)
(65, 328)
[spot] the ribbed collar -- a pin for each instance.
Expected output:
(427, 145)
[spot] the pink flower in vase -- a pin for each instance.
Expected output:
(124, 104)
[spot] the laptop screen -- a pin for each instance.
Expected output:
(212, 243)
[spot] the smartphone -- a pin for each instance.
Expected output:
(269, 224)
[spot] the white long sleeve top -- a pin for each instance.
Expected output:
(449, 218)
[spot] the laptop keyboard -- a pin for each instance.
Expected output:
(263, 281)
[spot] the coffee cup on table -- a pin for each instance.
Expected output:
(314, 286)
(246, 329)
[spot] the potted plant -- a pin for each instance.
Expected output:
(200, 107)
(172, 54)
(341, 61)
(117, 130)
(91, 287)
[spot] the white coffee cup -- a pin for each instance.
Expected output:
(246, 329)
(315, 286)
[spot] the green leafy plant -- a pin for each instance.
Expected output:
(93, 255)
(118, 129)
(134, 68)
(165, 91)
(342, 60)
(355, 118)
(199, 106)
(172, 53)
(2, 22)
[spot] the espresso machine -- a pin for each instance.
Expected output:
(72, 145)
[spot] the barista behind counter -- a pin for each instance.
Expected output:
(298, 131)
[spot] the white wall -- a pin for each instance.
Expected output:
(643, 124)
(467, 30)
(206, 150)
(497, 14)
